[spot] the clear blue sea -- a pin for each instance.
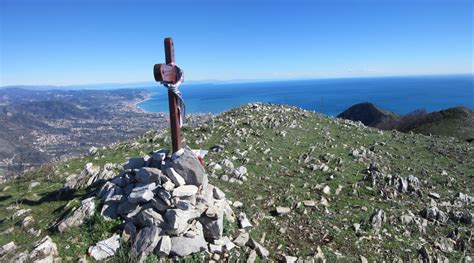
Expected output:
(329, 96)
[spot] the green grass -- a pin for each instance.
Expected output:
(285, 181)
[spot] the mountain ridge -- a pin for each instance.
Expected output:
(455, 122)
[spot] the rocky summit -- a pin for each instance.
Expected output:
(278, 184)
(166, 204)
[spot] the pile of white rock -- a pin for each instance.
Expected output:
(225, 171)
(168, 207)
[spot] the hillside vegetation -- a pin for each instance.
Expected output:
(455, 122)
(316, 187)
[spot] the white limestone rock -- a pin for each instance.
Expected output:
(261, 250)
(142, 193)
(44, 248)
(185, 190)
(105, 248)
(280, 210)
(377, 218)
(164, 246)
(7, 248)
(86, 210)
(242, 239)
(176, 179)
(243, 221)
(218, 194)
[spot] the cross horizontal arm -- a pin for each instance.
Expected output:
(166, 73)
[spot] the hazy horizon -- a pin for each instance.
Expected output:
(148, 84)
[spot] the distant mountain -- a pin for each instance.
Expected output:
(455, 122)
(368, 114)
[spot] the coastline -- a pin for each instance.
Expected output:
(136, 103)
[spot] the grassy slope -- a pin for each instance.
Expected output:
(280, 178)
(456, 122)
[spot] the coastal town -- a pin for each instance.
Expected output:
(40, 127)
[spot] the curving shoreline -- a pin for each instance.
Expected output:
(135, 104)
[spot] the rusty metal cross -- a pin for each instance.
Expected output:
(169, 74)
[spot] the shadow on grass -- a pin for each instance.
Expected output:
(58, 195)
(65, 194)
(5, 197)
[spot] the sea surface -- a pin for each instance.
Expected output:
(401, 95)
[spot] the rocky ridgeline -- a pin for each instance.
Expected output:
(166, 203)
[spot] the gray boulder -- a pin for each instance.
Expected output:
(252, 256)
(86, 177)
(164, 195)
(107, 190)
(212, 227)
(168, 185)
(134, 163)
(126, 207)
(148, 175)
(177, 221)
(149, 217)
(183, 246)
(145, 242)
(434, 213)
(158, 204)
(464, 198)
(129, 231)
(189, 167)
(157, 158)
(109, 210)
(213, 221)
(445, 244)
(128, 210)
(86, 210)
(280, 210)
(413, 183)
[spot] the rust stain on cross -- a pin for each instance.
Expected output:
(168, 74)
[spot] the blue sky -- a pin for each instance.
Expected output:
(83, 41)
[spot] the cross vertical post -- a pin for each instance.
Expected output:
(167, 74)
(172, 100)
